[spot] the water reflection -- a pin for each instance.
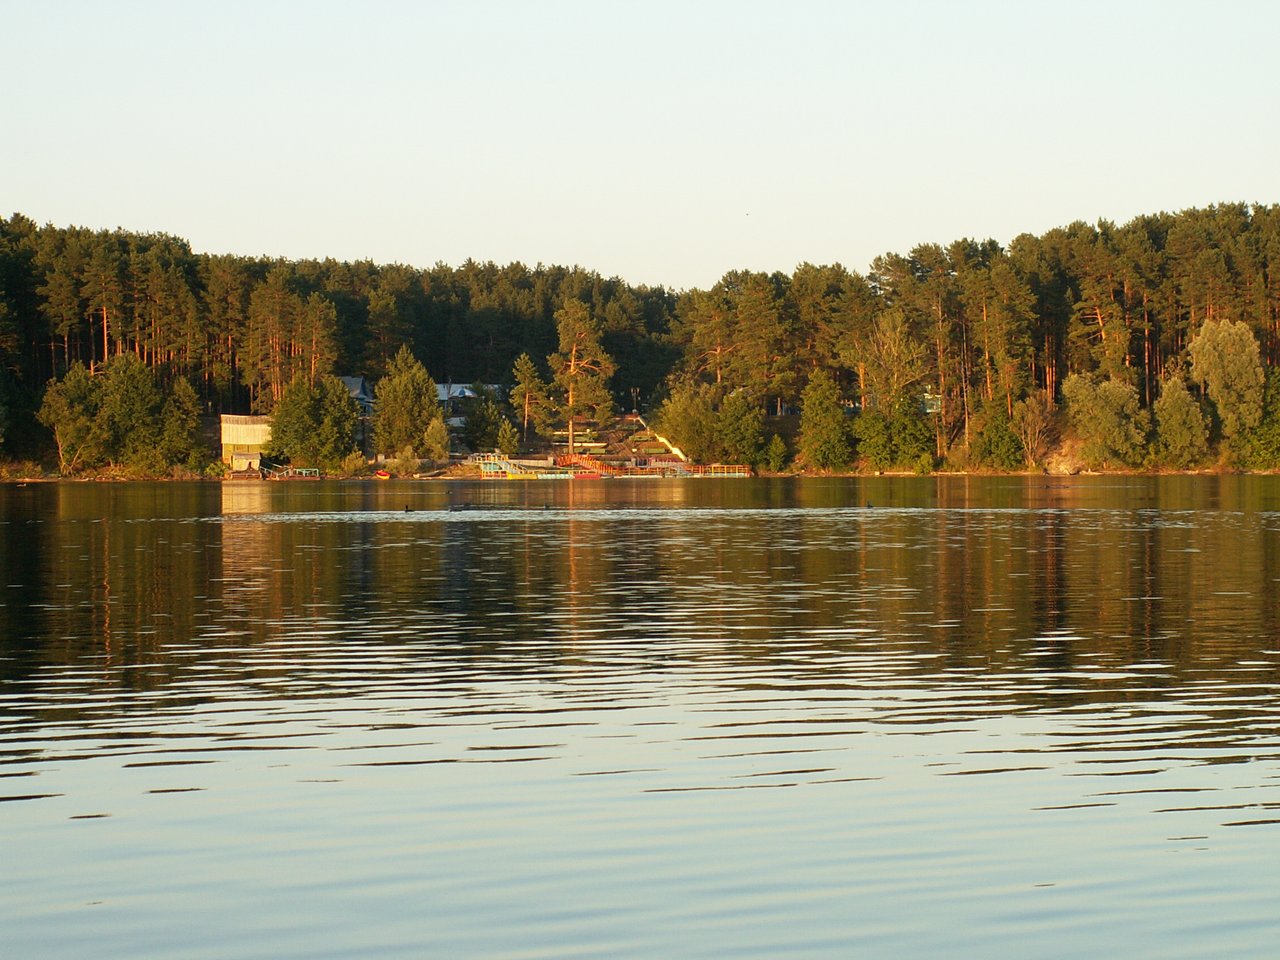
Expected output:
(971, 680)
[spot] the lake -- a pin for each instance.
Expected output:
(882, 717)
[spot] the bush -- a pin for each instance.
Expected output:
(901, 438)
(875, 439)
(996, 445)
(775, 454)
(354, 464)
(406, 462)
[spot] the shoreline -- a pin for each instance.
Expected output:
(471, 477)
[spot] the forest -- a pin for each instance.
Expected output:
(1150, 344)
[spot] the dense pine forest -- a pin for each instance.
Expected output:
(1150, 344)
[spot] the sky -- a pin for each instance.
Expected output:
(661, 142)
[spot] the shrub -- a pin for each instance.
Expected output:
(996, 444)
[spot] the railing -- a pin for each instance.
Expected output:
(498, 466)
(501, 467)
(718, 469)
(292, 473)
(589, 463)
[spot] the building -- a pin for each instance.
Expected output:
(243, 439)
(361, 393)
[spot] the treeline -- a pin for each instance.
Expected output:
(941, 344)
(239, 329)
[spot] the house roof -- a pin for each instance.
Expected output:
(359, 388)
(455, 391)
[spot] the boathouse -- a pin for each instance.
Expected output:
(243, 439)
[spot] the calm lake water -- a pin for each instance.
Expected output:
(1023, 717)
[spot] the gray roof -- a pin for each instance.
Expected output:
(359, 388)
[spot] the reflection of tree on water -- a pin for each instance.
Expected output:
(117, 571)
(1067, 573)
(573, 591)
(25, 561)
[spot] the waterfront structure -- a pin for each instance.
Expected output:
(243, 439)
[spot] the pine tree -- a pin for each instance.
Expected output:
(407, 403)
(824, 434)
(581, 368)
(508, 438)
(265, 354)
(129, 417)
(529, 396)
(102, 288)
(740, 426)
(484, 419)
(314, 426)
(435, 441)
(180, 442)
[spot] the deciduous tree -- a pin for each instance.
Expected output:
(1108, 419)
(180, 442)
(1225, 358)
(1182, 438)
(1032, 421)
(70, 411)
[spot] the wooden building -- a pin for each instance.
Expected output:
(243, 439)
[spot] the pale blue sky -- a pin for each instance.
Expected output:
(661, 142)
